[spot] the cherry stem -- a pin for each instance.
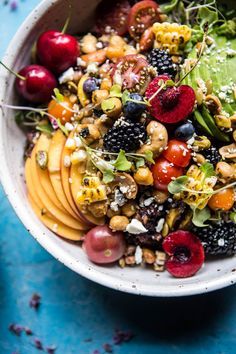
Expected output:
(13, 72)
(156, 93)
(65, 27)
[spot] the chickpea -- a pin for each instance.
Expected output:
(143, 176)
(99, 95)
(148, 256)
(129, 209)
(112, 107)
(118, 223)
(199, 159)
(224, 170)
(88, 43)
(160, 196)
(111, 213)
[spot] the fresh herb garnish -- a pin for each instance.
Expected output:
(121, 163)
(200, 216)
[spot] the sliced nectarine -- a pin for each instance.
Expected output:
(43, 145)
(65, 176)
(63, 216)
(55, 225)
(54, 168)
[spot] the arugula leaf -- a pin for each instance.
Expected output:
(233, 217)
(108, 104)
(125, 97)
(205, 15)
(200, 216)
(115, 91)
(208, 169)
(149, 156)
(45, 128)
(170, 6)
(140, 162)
(62, 127)
(178, 185)
(121, 163)
(108, 176)
(58, 95)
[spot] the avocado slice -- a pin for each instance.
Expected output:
(218, 64)
(209, 121)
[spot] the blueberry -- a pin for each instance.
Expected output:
(90, 85)
(134, 109)
(185, 131)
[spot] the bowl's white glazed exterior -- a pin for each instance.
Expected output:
(52, 14)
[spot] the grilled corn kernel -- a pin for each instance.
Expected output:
(171, 36)
(92, 191)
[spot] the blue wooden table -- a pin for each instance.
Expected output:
(80, 317)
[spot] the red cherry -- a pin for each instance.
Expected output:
(57, 51)
(35, 83)
(186, 253)
(171, 105)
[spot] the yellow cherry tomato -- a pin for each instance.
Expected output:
(224, 200)
(61, 110)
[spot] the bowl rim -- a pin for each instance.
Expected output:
(54, 249)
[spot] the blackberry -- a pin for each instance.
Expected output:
(218, 238)
(162, 62)
(126, 135)
(149, 216)
(212, 155)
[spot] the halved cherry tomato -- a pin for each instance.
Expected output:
(114, 15)
(132, 72)
(61, 110)
(223, 200)
(178, 153)
(142, 15)
(164, 172)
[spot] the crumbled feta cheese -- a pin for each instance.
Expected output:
(92, 68)
(136, 227)
(70, 144)
(78, 156)
(124, 189)
(160, 225)
(67, 162)
(138, 255)
(69, 126)
(119, 200)
(78, 141)
(148, 201)
(68, 75)
(81, 62)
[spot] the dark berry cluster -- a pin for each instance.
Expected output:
(126, 135)
(162, 62)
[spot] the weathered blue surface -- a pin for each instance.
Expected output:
(74, 309)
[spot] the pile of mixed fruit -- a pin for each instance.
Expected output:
(131, 134)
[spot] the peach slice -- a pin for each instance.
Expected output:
(54, 168)
(54, 225)
(65, 177)
(57, 213)
(75, 185)
(43, 145)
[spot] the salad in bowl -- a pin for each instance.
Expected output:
(130, 134)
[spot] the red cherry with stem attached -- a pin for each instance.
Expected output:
(57, 51)
(35, 83)
(186, 253)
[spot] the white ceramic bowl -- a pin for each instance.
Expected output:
(52, 14)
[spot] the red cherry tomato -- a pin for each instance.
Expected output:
(163, 173)
(142, 15)
(178, 153)
(104, 246)
(132, 71)
(113, 15)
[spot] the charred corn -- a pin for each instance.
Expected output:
(171, 36)
(92, 191)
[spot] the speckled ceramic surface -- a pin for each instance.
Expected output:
(52, 14)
